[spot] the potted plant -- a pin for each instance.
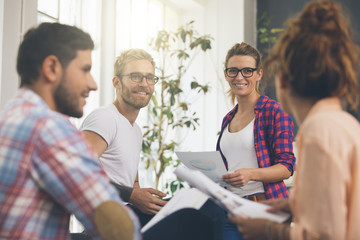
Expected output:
(168, 110)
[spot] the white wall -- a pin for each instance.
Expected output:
(1, 39)
(108, 53)
(226, 23)
(18, 17)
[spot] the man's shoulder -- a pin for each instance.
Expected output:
(104, 112)
(102, 117)
(26, 112)
(35, 124)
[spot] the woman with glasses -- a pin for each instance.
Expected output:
(256, 136)
(315, 65)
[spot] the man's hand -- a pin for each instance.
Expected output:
(239, 178)
(279, 204)
(146, 200)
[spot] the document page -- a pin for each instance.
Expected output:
(228, 200)
(209, 163)
(184, 198)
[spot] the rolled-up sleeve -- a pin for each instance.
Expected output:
(283, 141)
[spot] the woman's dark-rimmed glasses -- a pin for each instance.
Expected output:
(245, 72)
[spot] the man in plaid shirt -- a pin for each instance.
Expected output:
(47, 170)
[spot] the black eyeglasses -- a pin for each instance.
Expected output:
(245, 72)
(138, 77)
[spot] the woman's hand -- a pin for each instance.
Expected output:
(239, 178)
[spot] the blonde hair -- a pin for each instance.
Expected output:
(317, 54)
(129, 56)
(244, 49)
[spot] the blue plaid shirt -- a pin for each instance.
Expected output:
(47, 172)
(273, 138)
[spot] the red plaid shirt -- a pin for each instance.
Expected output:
(273, 138)
(47, 172)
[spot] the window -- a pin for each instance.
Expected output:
(135, 23)
(84, 16)
(48, 10)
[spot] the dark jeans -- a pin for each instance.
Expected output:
(210, 210)
(185, 224)
(143, 218)
(217, 215)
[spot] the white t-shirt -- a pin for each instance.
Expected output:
(121, 158)
(239, 151)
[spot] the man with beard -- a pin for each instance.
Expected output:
(117, 138)
(47, 170)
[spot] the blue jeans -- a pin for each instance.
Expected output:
(230, 230)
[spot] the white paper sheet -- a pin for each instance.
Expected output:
(209, 163)
(184, 198)
(230, 201)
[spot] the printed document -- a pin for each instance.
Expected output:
(209, 163)
(228, 200)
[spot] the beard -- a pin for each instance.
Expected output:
(66, 100)
(130, 100)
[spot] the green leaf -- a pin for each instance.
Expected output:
(188, 123)
(154, 100)
(173, 187)
(154, 112)
(205, 89)
(146, 133)
(276, 30)
(172, 100)
(262, 30)
(169, 115)
(144, 148)
(171, 147)
(194, 84)
(182, 55)
(184, 106)
(183, 35)
(205, 45)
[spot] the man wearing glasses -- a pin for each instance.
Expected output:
(117, 138)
